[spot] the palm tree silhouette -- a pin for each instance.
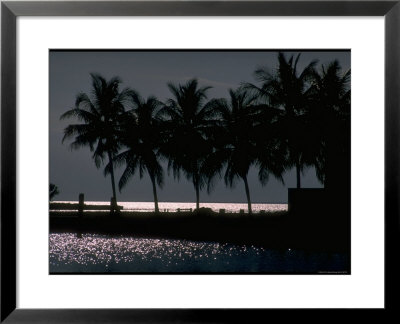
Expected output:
(141, 135)
(100, 114)
(288, 89)
(329, 116)
(240, 141)
(190, 120)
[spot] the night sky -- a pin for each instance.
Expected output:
(148, 73)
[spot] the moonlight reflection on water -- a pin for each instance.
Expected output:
(100, 253)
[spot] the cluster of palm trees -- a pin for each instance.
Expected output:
(287, 119)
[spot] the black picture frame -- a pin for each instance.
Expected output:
(10, 10)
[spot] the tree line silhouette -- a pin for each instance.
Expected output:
(286, 119)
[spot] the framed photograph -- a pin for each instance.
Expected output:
(215, 134)
(169, 155)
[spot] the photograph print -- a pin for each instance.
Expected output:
(199, 161)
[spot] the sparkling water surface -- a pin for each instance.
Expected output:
(70, 252)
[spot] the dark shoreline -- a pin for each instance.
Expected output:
(279, 230)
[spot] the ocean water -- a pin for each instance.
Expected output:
(173, 206)
(92, 253)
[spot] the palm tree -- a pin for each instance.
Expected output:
(189, 119)
(288, 90)
(100, 114)
(238, 144)
(141, 135)
(329, 116)
(272, 152)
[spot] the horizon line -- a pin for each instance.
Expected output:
(160, 202)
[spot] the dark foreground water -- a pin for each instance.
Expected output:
(90, 253)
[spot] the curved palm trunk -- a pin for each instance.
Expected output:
(246, 185)
(153, 182)
(196, 187)
(298, 174)
(112, 177)
(197, 197)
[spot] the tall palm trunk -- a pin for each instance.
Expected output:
(298, 173)
(153, 182)
(197, 197)
(196, 187)
(112, 176)
(246, 185)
